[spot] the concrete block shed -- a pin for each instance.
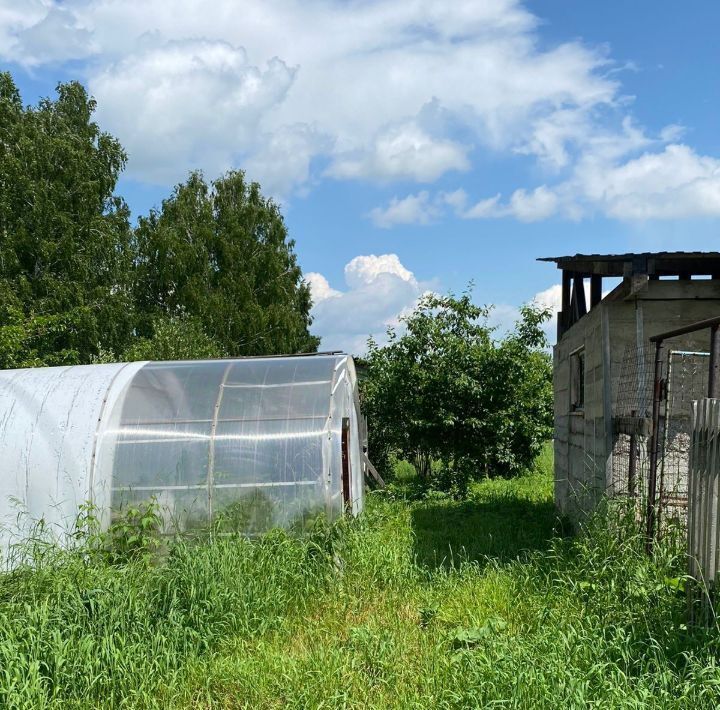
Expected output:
(612, 304)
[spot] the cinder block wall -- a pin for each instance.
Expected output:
(583, 440)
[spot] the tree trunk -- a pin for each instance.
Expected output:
(422, 462)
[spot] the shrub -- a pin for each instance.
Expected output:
(446, 391)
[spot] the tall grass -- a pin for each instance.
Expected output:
(78, 631)
(418, 604)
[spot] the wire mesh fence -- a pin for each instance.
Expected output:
(631, 408)
(683, 377)
(687, 380)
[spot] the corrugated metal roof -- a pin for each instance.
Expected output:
(661, 263)
(631, 255)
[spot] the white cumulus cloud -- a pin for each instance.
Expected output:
(673, 183)
(158, 99)
(405, 152)
(418, 209)
(365, 270)
(413, 209)
(532, 206)
(538, 204)
(378, 290)
(320, 288)
(33, 32)
(372, 90)
(298, 91)
(489, 207)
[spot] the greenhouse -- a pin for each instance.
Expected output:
(254, 442)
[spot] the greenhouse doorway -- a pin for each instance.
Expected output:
(346, 465)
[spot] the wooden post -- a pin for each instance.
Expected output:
(566, 285)
(564, 315)
(595, 290)
(373, 472)
(579, 295)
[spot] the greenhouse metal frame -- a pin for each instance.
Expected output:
(254, 442)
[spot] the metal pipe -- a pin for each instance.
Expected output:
(714, 375)
(203, 486)
(654, 449)
(633, 466)
(633, 462)
(691, 328)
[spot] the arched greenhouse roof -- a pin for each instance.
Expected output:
(258, 441)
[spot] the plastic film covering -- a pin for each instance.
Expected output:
(49, 418)
(247, 444)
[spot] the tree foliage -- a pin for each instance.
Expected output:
(446, 391)
(212, 272)
(64, 235)
(174, 338)
(219, 254)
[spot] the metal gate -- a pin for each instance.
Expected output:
(687, 380)
(652, 425)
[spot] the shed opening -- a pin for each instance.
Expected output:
(577, 380)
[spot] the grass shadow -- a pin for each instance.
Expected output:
(447, 533)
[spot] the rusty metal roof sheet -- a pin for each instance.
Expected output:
(658, 263)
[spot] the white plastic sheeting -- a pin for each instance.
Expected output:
(49, 422)
(256, 443)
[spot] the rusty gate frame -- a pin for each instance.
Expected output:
(659, 393)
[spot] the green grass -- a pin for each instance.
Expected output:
(418, 604)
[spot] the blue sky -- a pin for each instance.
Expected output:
(415, 146)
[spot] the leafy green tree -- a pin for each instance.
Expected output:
(212, 273)
(220, 255)
(65, 239)
(447, 396)
(174, 338)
